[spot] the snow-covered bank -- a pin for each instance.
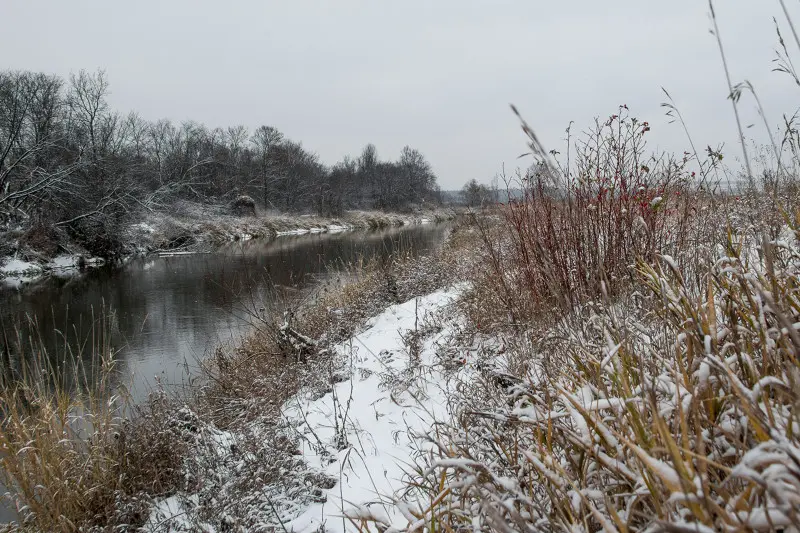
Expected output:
(327, 228)
(356, 440)
(187, 228)
(17, 272)
(193, 225)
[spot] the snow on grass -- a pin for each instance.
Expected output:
(174, 514)
(366, 430)
(300, 231)
(144, 227)
(330, 228)
(181, 252)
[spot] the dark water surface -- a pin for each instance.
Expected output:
(163, 314)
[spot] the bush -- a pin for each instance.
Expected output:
(99, 237)
(576, 233)
(42, 238)
(243, 205)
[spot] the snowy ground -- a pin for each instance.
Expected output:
(364, 433)
(390, 401)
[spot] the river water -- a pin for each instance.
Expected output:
(163, 314)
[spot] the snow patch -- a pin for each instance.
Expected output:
(364, 433)
(293, 232)
(18, 266)
(177, 253)
(378, 415)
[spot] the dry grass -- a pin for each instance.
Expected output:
(640, 360)
(640, 369)
(70, 458)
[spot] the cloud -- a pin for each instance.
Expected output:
(436, 75)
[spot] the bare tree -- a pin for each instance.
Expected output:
(476, 194)
(417, 175)
(87, 101)
(15, 103)
(237, 138)
(67, 160)
(264, 139)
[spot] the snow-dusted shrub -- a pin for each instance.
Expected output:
(243, 205)
(674, 409)
(576, 227)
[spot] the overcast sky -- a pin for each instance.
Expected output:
(436, 75)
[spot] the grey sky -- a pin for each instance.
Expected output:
(437, 75)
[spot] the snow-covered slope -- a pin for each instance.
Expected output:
(391, 399)
(364, 433)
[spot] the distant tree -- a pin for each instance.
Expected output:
(476, 194)
(417, 176)
(367, 173)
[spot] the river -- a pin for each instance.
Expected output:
(163, 314)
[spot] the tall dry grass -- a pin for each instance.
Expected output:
(71, 455)
(580, 228)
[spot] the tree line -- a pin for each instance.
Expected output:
(67, 160)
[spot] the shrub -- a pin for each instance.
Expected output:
(42, 238)
(578, 229)
(243, 205)
(99, 237)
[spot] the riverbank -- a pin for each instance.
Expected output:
(191, 225)
(351, 438)
(312, 416)
(186, 228)
(176, 440)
